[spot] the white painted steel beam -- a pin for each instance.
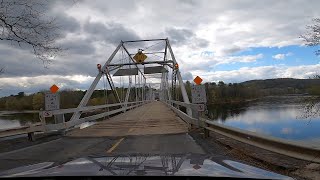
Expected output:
(88, 94)
(183, 89)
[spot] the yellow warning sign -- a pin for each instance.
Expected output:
(140, 57)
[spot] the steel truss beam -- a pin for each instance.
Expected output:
(183, 88)
(150, 62)
(164, 79)
(144, 40)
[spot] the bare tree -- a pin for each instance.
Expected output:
(26, 24)
(311, 108)
(315, 76)
(312, 37)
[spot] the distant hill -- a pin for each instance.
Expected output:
(282, 83)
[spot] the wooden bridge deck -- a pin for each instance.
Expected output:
(151, 118)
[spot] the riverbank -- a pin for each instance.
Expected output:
(221, 146)
(273, 98)
(5, 112)
(234, 101)
(12, 143)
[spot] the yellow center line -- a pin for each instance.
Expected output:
(115, 145)
(120, 140)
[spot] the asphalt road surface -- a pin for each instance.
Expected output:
(150, 129)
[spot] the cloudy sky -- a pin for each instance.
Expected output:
(229, 40)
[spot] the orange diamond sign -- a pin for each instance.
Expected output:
(54, 88)
(197, 80)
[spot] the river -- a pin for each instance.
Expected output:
(278, 116)
(12, 119)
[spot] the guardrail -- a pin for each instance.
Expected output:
(277, 145)
(185, 117)
(43, 127)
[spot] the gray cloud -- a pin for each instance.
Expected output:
(191, 3)
(79, 46)
(111, 32)
(113, 7)
(91, 29)
(232, 49)
(22, 63)
(262, 72)
(67, 23)
(187, 76)
(58, 10)
(202, 43)
(179, 35)
(185, 36)
(39, 83)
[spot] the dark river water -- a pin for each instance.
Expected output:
(17, 119)
(11, 120)
(278, 116)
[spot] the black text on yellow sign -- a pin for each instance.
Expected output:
(140, 57)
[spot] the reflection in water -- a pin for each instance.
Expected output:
(86, 124)
(149, 165)
(8, 121)
(17, 119)
(280, 118)
(224, 111)
(6, 124)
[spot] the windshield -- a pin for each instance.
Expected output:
(234, 83)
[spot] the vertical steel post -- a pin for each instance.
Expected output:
(183, 89)
(135, 87)
(128, 93)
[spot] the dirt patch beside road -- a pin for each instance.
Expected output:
(7, 145)
(219, 145)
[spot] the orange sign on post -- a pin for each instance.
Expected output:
(54, 88)
(197, 80)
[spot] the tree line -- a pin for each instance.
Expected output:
(217, 93)
(220, 93)
(68, 99)
(223, 93)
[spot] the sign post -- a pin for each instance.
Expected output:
(198, 94)
(52, 102)
(199, 97)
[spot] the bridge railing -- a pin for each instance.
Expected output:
(42, 126)
(281, 146)
(277, 145)
(174, 105)
(68, 124)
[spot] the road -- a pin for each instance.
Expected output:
(150, 129)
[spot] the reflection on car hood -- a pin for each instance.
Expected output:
(148, 165)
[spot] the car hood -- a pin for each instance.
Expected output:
(144, 165)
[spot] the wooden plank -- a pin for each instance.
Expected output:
(152, 118)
